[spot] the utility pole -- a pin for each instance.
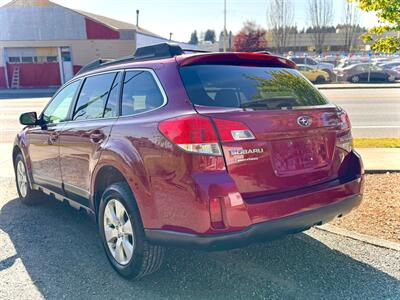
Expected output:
(224, 25)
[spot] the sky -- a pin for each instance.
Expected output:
(181, 17)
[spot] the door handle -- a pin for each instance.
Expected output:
(97, 137)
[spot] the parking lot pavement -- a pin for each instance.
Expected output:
(52, 251)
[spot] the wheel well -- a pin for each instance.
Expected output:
(16, 151)
(105, 177)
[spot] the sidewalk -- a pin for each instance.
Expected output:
(341, 86)
(26, 93)
(380, 159)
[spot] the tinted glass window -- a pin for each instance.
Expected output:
(242, 86)
(93, 97)
(298, 60)
(141, 93)
(112, 103)
(57, 110)
(312, 62)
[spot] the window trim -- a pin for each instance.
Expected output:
(159, 85)
(82, 78)
(72, 108)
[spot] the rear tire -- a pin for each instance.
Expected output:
(320, 80)
(122, 234)
(25, 193)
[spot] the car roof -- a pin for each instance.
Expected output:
(230, 58)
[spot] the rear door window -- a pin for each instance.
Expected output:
(141, 93)
(93, 97)
(248, 87)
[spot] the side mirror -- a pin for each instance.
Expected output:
(29, 118)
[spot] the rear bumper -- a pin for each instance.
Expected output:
(264, 231)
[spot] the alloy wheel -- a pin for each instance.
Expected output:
(22, 179)
(118, 232)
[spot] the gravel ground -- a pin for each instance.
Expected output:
(52, 251)
(379, 214)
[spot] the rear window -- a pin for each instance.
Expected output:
(248, 87)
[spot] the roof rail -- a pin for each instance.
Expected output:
(163, 50)
(158, 51)
(93, 65)
(195, 51)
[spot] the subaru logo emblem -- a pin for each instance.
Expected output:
(304, 121)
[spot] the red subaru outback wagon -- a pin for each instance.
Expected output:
(201, 150)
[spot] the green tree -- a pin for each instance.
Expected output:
(210, 36)
(194, 40)
(386, 36)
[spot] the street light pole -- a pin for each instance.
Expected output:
(224, 25)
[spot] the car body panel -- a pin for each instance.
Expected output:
(44, 155)
(79, 153)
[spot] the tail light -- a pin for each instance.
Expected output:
(344, 120)
(344, 138)
(197, 134)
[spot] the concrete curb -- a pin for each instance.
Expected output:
(360, 237)
(355, 86)
(381, 171)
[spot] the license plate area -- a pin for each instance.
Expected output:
(299, 155)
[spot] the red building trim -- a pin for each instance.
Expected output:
(77, 69)
(98, 31)
(3, 83)
(37, 75)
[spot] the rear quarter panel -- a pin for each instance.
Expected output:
(159, 174)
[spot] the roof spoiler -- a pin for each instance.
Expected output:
(157, 51)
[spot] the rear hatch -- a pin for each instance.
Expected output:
(287, 130)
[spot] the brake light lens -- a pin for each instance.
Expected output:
(196, 133)
(344, 138)
(344, 120)
(192, 133)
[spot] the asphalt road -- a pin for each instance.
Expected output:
(373, 112)
(52, 251)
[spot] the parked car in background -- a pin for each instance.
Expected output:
(346, 62)
(365, 72)
(309, 61)
(206, 151)
(392, 65)
(314, 75)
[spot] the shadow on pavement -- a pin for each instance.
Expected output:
(61, 250)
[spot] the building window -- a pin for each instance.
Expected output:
(27, 59)
(52, 59)
(14, 59)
